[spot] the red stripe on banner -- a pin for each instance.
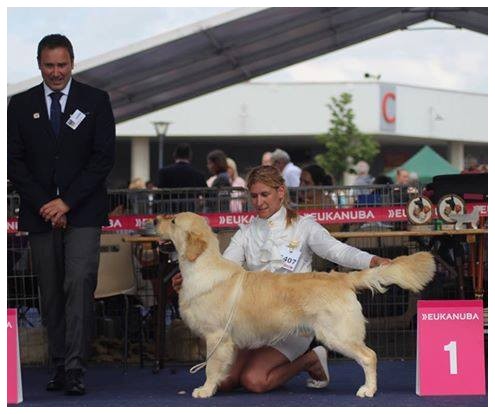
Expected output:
(232, 220)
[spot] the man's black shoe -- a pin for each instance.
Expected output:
(57, 383)
(73, 382)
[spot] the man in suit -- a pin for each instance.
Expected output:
(60, 149)
(181, 174)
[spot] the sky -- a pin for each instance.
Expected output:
(439, 58)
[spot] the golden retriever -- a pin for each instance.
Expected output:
(270, 306)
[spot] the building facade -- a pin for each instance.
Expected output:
(248, 119)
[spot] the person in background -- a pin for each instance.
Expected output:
(266, 159)
(483, 168)
(235, 179)
(400, 193)
(137, 200)
(402, 177)
(472, 166)
(216, 161)
(290, 172)
(181, 174)
(259, 246)
(237, 203)
(363, 178)
(137, 184)
(311, 176)
(150, 186)
(413, 182)
(383, 180)
(60, 150)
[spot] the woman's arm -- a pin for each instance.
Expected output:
(324, 245)
(235, 249)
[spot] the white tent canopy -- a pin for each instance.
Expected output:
(240, 45)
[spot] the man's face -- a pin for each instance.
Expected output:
(56, 67)
(403, 177)
(266, 159)
(266, 200)
(279, 165)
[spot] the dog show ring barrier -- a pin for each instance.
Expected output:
(371, 218)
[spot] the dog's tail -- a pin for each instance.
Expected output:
(409, 272)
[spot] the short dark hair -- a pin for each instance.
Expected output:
(183, 151)
(382, 180)
(318, 175)
(53, 41)
(219, 159)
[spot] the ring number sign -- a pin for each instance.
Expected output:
(450, 348)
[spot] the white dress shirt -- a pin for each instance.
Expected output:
(257, 245)
(63, 98)
(292, 175)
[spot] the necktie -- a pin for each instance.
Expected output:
(55, 112)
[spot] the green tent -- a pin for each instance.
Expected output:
(426, 163)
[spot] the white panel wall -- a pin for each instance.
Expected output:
(252, 109)
(445, 115)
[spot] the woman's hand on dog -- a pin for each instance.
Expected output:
(378, 261)
(177, 282)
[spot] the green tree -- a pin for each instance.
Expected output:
(345, 144)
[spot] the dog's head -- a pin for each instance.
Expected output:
(189, 232)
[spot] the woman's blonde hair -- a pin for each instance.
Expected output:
(231, 164)
(271, 177)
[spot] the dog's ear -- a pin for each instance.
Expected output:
(195, 246)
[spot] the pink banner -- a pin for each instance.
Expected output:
(232, 220)
(14, 381)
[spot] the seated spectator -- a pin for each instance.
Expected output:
(311, 176)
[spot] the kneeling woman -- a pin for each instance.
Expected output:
(279, 233)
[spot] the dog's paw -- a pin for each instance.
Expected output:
(365, 391)
(203, 392)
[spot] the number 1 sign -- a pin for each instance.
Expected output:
(450, 348)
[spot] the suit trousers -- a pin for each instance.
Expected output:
(66, 262)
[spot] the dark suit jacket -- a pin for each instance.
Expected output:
(77, 162)
(180, 175)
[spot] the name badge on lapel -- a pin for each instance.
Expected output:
(290, 255)
(75, 119)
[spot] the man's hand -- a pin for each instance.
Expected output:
(177, 282)
(54, 209)
(61, 223)
(378, 261)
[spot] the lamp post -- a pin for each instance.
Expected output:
(161, 128)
